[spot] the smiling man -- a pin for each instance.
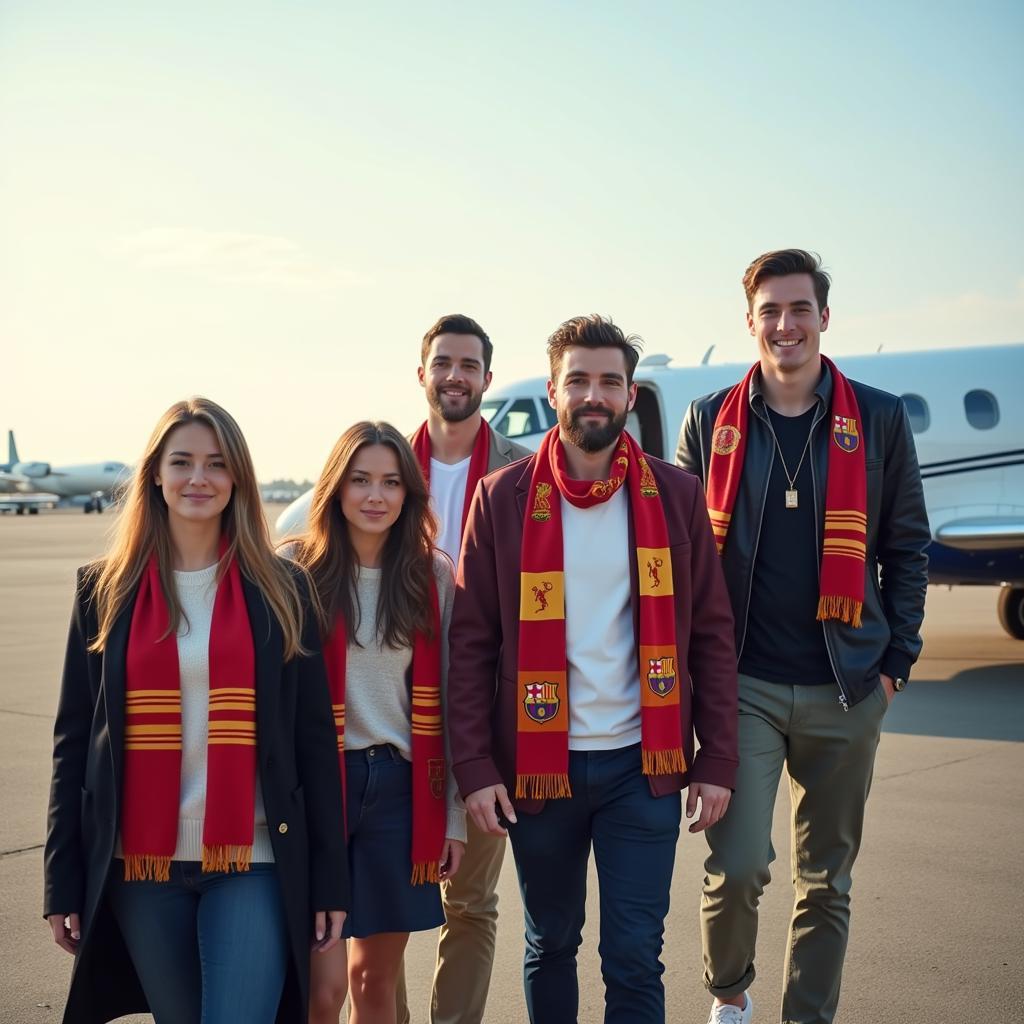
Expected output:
(591, 638)
(816, 501)
(456, 448)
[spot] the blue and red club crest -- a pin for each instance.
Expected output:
(541, 701)
(844, 433)
(661, 675)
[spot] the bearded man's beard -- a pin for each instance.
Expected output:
(591, 437)
(450, 412)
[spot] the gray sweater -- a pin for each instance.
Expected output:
(377, 700)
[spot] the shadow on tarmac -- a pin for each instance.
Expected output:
(983, 703)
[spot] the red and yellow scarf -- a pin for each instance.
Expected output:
(542, 747)
(844, 551)
(477, 461)
(152, 760)
(429, 810)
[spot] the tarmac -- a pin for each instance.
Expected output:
(938, 889)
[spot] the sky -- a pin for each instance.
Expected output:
(270, 203)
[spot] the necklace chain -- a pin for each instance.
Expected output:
(782, 458)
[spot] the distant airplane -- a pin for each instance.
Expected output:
(31, 485)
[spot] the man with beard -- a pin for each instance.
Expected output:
(591, 594)
(456, 448)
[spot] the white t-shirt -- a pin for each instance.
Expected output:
(448, 495)
(604, 675)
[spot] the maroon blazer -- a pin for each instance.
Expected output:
(484, 635)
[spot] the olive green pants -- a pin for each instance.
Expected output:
(465, 947)
(829, 754)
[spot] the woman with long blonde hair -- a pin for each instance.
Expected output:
(385, 598)
(193, 853)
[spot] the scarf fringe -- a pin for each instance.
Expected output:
(426, 873)
(845, 609)
(144, 867)
(549, 786)
(663, 762)
(226, 858)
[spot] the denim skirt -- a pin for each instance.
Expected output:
(378, 809)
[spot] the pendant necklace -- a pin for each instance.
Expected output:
(792, 497)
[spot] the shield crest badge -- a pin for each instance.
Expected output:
(844, 433)
(435, 774)
(661, 675)
(541, 701)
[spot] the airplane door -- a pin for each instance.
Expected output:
(644, 422)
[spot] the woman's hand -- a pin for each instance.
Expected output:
(327, 926)
(67, 930)
(451, 857)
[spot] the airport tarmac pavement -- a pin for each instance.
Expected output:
(938, 890)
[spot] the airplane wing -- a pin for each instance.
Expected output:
(14, 502)
(983, 533)
(11, 483)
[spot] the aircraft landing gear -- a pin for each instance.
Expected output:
(1011, 611)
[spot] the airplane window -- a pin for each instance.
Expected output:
(521, 419)
(982, 409)
(489, 408)
(917, 410)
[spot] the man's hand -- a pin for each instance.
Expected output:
(451, 857)
(66, 935)
(714, 801)
(890, 690)
(481, 807)
(327, 936)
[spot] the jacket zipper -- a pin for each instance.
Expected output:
(844, 700)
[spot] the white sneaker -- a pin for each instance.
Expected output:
(722, 1013)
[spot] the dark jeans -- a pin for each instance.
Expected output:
(208, 949)
(634, 837)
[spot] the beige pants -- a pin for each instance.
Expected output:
(830, 756)
(465, 947)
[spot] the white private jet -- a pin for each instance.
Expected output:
(966, 413)
(33, 485)
(965, 410)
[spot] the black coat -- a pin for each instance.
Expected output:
(298, 770)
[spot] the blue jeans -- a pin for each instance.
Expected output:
(634, 837)
(208, 949)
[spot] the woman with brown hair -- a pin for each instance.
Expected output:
(193, 851)
(386, 598)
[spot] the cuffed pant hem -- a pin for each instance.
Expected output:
(735, 989)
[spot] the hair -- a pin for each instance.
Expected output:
(142, 530)
(457, 323)
(325, 550)
(594, 331)
(781, 263)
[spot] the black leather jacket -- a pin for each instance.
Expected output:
(889, 639)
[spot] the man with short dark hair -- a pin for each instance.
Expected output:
(456, 448)
(816, 502)
(590, 593)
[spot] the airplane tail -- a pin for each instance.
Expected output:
(12, 449)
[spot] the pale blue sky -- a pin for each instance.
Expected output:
(269, 203)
